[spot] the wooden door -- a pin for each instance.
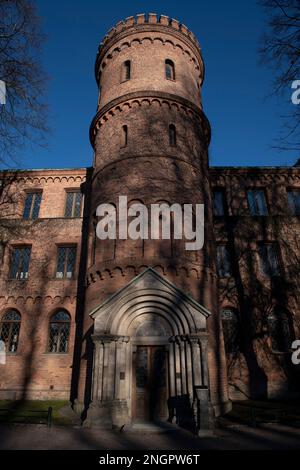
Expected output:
(150, 384)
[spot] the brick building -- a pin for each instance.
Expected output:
(143, 329)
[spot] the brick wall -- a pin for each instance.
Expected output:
(32, 370)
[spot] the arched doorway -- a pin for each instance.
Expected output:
(150, 354)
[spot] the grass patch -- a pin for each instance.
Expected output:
(33, 412)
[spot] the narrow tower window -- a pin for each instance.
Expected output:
(124, 136)
(127, 70)
(172, 134)
(170, 69)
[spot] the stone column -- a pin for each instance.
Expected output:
(120, 412)
(172, 380)
(100, 366)
(106, 367)
(204, 358)
(109, 407)
(189, 369)
(121, 377)
(177, 367)
(196, 359)
(172, 368)
(97, 371)
(204, 421)
(202, 409)
(181, 345)
(117, 378)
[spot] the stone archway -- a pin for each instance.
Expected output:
(149, 312)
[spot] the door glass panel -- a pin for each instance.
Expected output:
(151, 383)
(159, 368)
(142, 368)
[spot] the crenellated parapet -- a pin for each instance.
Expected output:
(149, 22)
(141, 20)
(151, 18)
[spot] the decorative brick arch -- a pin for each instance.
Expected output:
(178, 323)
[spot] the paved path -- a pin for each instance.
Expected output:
(236, 437)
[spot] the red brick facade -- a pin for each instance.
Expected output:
(32, 369)
(146, 168)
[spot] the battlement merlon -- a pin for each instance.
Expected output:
(150, 22)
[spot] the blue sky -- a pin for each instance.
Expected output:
(244, 123)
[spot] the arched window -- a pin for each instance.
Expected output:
(172, 134)
(280, 331)
(124, 136)
(170, 69)
(10, 330)
(231, 330)
(127, 70)
(59, 332)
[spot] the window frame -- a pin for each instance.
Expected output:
(33, 192)
(229, 259)
(61, 324)
(224, 201)
(294, 212)
(172, 135)
(264, 192)
(126, 74)
(13, 249)
(235, 319)
(124, 142)
(170, 63)
(67, 246)
(275, 316)
(73, 191)
(3, 321)
(274, 244)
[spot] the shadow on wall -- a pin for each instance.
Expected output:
(82, 340)
(32, 321)
(181, 408)
(256, 296)
(178, 184)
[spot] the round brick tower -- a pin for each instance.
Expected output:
(151, 305)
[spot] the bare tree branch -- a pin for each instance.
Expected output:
(280, 50)
(23, 117)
